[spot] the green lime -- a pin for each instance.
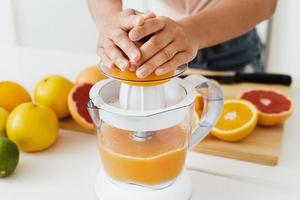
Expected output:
(3, 118)
(9, 157)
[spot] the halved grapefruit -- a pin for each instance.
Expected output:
(273, 107)
(90, 75)
(77, 101)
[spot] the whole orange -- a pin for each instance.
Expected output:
(90, 75)
(12, 94)
(52, 91)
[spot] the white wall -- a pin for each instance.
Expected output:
(284, 52)
(58, 24)
(55, 24)
(7, 28)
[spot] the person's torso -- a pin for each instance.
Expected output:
(177, 9)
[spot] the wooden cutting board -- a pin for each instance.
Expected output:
(262, 146)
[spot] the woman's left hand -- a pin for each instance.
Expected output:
(172, 44)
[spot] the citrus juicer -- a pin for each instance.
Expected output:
(144, 129)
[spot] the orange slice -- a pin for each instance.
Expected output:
(237, 121)
(130, 78)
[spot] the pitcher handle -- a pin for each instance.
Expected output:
(213, 106)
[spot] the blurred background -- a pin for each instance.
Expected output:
(66, 25)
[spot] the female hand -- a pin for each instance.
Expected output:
(172, 45)
(114, 47)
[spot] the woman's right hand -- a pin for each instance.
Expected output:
(114, 46)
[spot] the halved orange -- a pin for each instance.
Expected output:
(130, 78)
(237, 121)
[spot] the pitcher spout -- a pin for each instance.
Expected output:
(94, 112)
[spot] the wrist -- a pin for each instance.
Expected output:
(194, 31)
(105, 18)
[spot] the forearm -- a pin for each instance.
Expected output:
(101, 10)
(227, 20)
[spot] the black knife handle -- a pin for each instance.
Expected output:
(267, 78)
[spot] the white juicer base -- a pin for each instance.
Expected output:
(106, 190)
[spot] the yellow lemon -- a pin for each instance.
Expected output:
(53, 91)
(12, 94)
(32, 127)
(237, 121)
(3, 118)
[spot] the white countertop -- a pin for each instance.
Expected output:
(68, 169)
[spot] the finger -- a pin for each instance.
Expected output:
(128, 22)
(147, 15)
(115, 54)
(149, 27)
(154, 45)
(157, 60)
(105, 61)
(179, 59)
(120, 38)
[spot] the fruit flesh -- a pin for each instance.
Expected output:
(233, 117)
(151, 162)
(268, 101)
(81, 97)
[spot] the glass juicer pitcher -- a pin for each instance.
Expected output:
(145, 129)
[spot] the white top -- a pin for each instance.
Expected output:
(68, 170)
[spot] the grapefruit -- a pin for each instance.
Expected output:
(237, 121)
(77, 103)
(273, 107)
(12, 94)
(33, 127)
(131, 78)
(90, 75)
(52, 91)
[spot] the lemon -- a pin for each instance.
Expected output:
(3, 118)
(32, 127)
(237, 121)
(53, 91)
(9, 157)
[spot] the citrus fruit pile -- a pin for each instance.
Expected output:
(254, 107)
(32, 124)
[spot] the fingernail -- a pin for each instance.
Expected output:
(141, 72)
(133, 57)
(122, 64)
(159, 72)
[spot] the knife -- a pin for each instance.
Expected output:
(239, 77)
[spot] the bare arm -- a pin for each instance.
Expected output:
(101, 10)
(228, 19)
(177, 42)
